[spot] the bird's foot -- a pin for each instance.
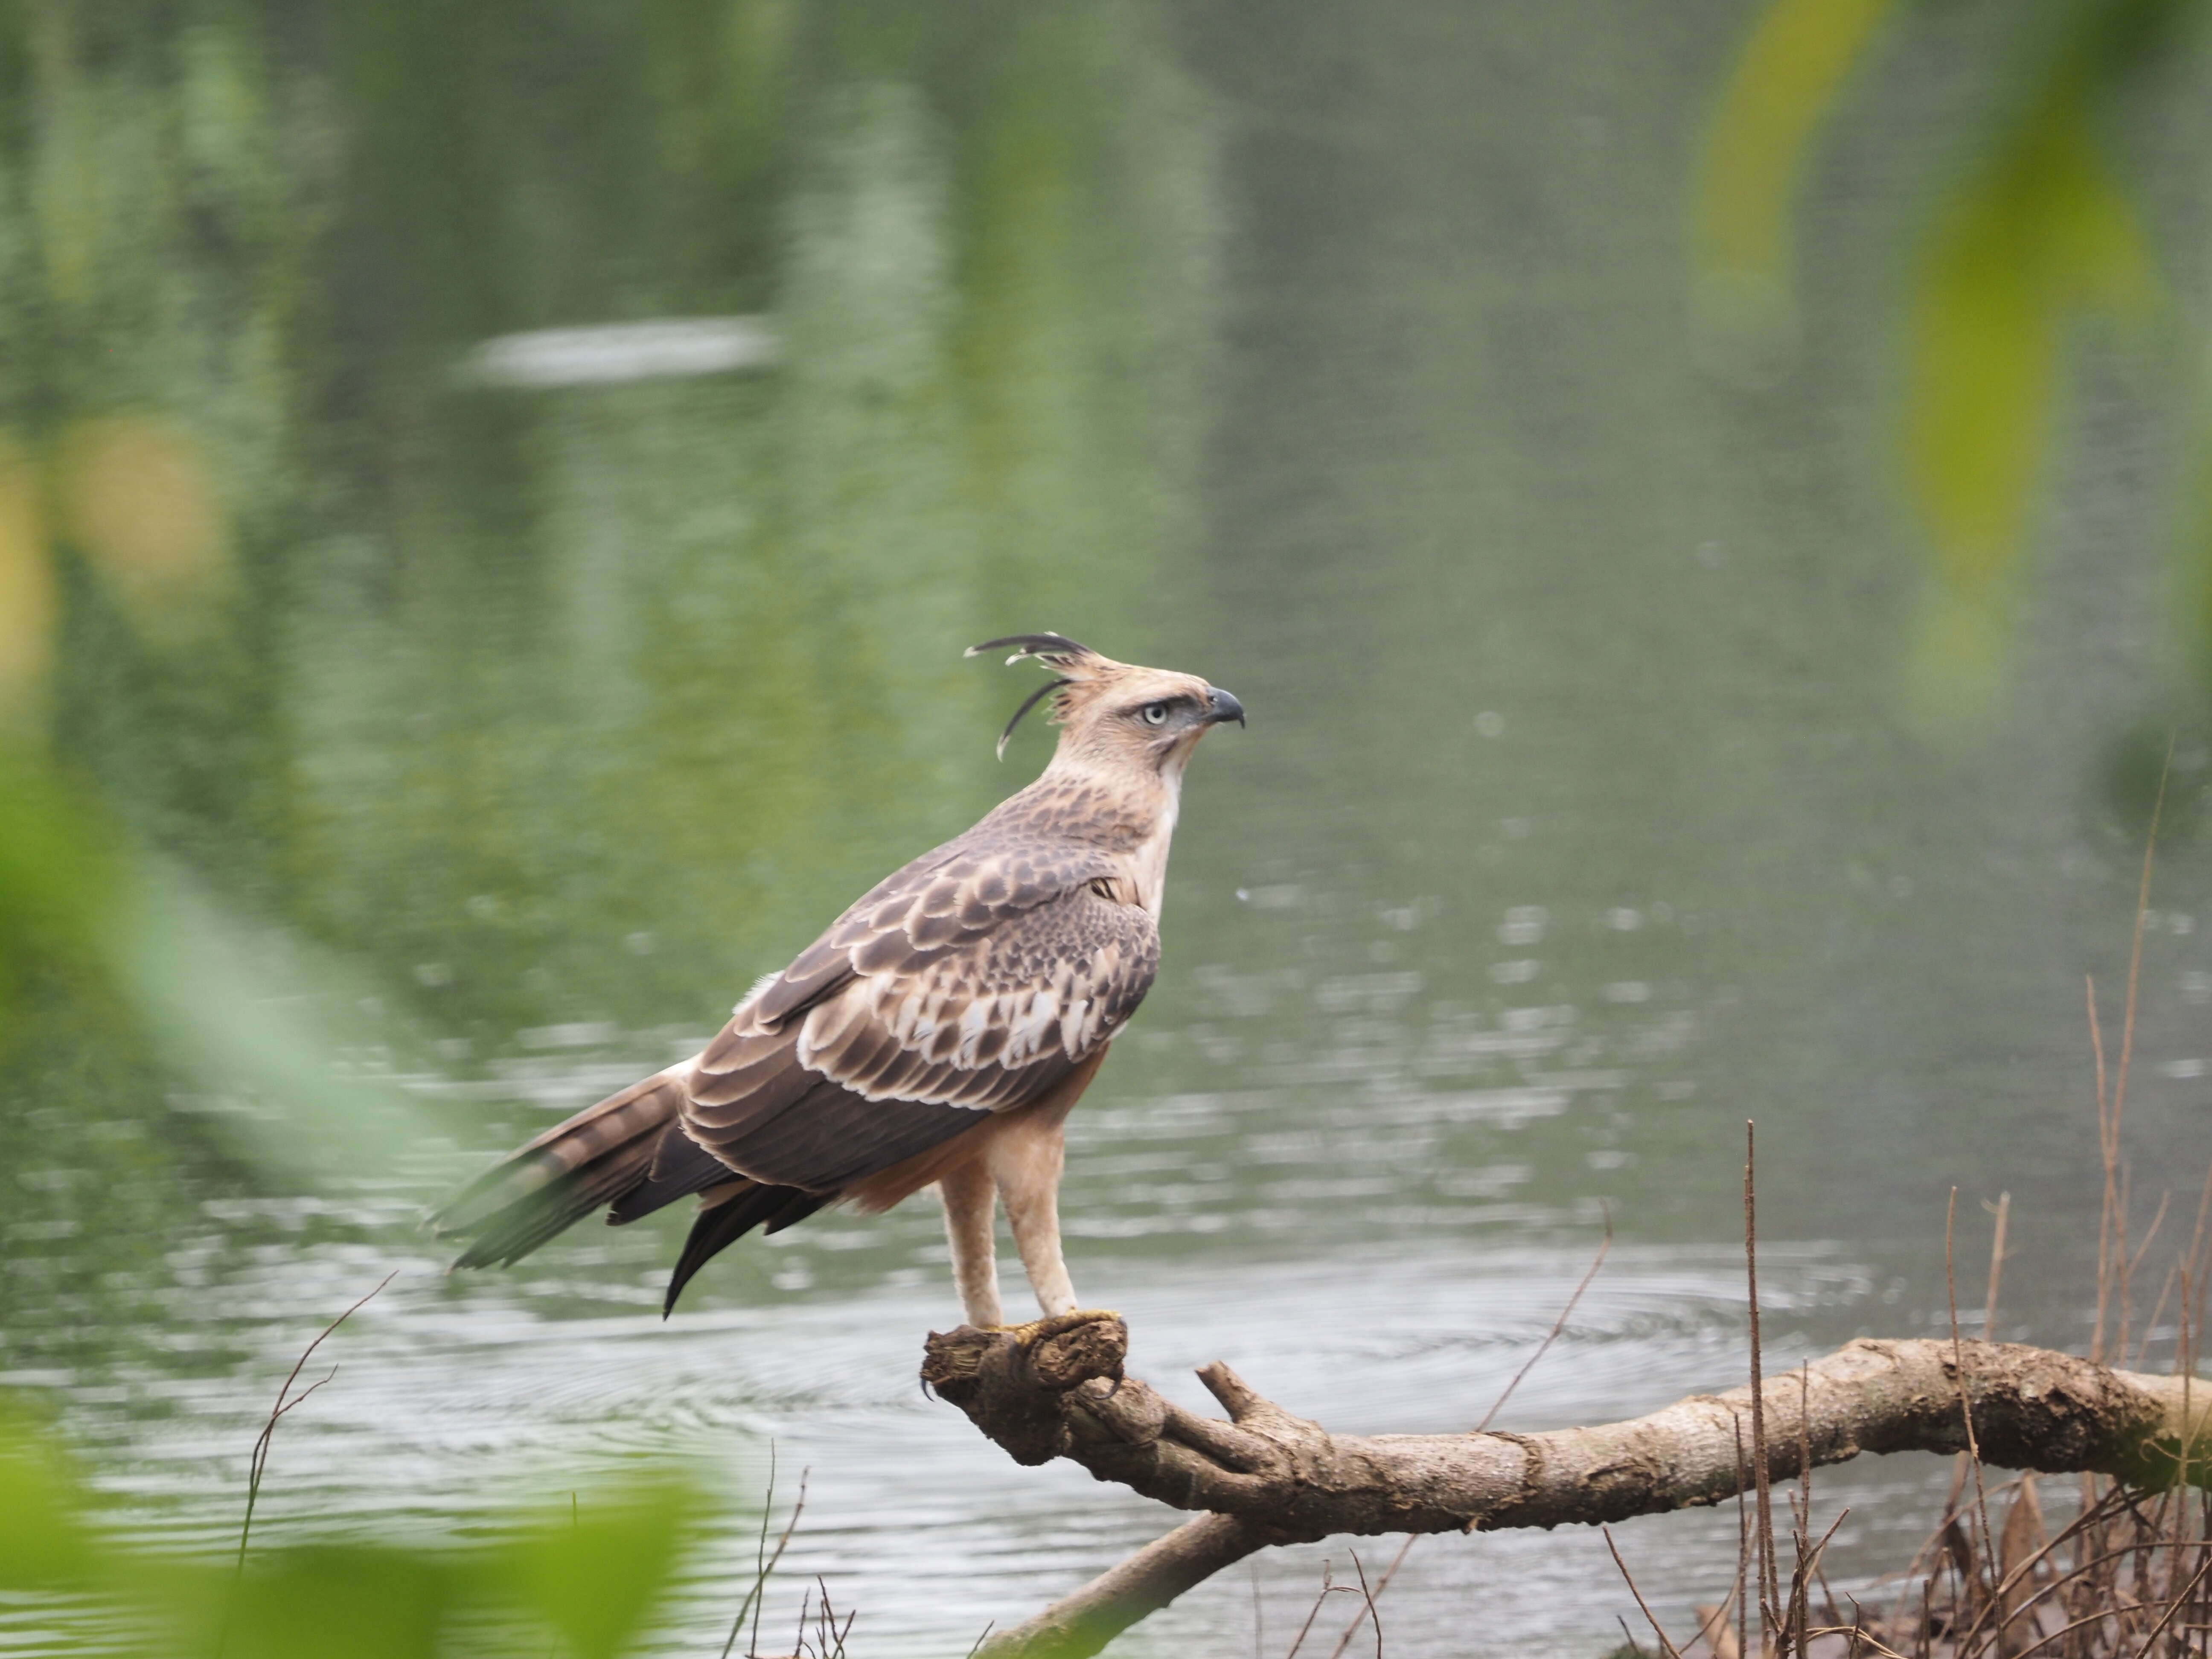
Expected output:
(1049, 1324)
(1055, 1354)
(1053, 1324)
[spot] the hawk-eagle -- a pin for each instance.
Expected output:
(939, 1033)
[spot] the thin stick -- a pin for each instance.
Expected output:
(2134, 1264)
(1313, 1613)
(2179, 1602)
(2135, 953)
(1959, 1370)
(1802, 1591)
(1741, 1590)
(1769, 1579)
(2175, 1274)
(2128, 1045)
(2150, 1233)
(1808, 1565)
(1996, 1267)
(1368, 1596)
(258, 1463)
(2109, 1156)
(2121, 1259)
(757, 1598)
(1665, 1648)
(2185, 1359)
(759, 1560)
(1605, 1246)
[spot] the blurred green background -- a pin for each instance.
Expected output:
(1707, 508)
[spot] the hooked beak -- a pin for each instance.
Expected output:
(1222, 707)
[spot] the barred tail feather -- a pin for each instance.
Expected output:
(562, 1175)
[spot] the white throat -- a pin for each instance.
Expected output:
(1149, 862)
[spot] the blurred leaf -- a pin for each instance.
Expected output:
(2147, 768)
(139, 501)
(44, 1545)
(354, 1600)
(1956, 656)
(28, 603)
(2043, 231)
(599, 1579)
(2196, 554)
(597, 1575)
(62, 883)
(1984, 367)
(261, 1017)
(1790, 75)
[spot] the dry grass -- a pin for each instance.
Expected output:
(2129, 1577)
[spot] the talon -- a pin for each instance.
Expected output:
(1053, 1324)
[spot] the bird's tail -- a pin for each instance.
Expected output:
(593, 1159)
(726, 1214)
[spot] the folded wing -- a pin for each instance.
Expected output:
(915, 1018)
(970, 982)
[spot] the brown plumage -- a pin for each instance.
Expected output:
(939, 1032)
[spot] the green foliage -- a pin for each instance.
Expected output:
(62, 882)
(44, 1545)
(1791, 72)
(2040, 228)
(598, 1576)
(346, 1601)
(587, 1582)
(2043, 230)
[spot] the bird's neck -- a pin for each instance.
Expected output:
(1128, 811)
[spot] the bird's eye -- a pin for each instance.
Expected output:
(1155, 713)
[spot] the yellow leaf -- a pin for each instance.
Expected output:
(1984, 353)
(1791, 70)
(137, 501)
(27, 587)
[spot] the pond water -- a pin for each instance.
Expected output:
(472, 711)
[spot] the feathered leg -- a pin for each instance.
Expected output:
(1025, 1164)
(971, 1205)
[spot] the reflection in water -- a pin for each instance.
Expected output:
(613, 354)
(424, 727)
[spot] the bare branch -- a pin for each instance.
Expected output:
(1085, 1621)
(1057, 1389)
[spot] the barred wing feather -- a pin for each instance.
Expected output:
(943, 1008)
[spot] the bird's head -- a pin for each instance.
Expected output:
(1116, 713)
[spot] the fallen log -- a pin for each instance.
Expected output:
(1267, 1476)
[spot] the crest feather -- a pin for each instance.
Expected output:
(1072, 662)
(1053, 650)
